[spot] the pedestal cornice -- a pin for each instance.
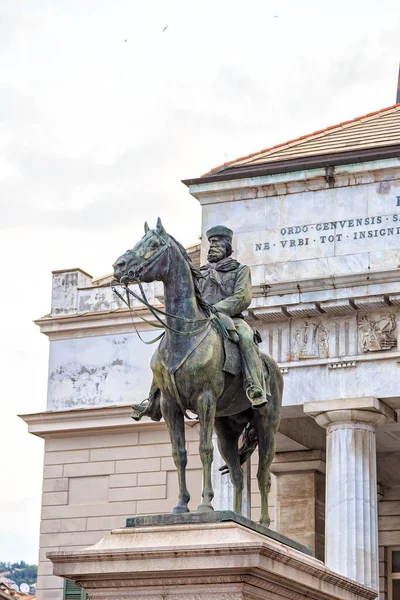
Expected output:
(208, 559)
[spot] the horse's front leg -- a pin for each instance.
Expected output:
(176, 429)
(206, 406)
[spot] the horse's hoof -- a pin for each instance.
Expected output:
(179, 510)
(205, 508)
(265, 523)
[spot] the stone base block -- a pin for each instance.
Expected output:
(201, 561)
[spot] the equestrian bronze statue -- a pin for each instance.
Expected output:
(207, 361)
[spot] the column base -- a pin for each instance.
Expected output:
(219, 560)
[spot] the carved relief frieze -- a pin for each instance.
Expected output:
(339, 337)
(377, 334)
(310, 340)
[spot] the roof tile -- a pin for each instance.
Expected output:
(375, 129)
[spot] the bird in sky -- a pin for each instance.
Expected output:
(166, 27)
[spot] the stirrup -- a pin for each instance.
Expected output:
(139, 409)
(258, 401)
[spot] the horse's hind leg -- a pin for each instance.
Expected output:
(176, 429)
(266, 452)
(228, 434)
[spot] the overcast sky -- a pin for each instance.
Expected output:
(102, 113)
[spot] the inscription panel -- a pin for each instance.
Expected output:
(323, 239)
(316, 233)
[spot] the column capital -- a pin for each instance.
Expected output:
(367, 410)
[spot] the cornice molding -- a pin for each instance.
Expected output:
(289, 173)
(332, 282)
(109, 322)
(276, 302)
(59, 423)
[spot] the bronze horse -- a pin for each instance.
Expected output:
(188, 369)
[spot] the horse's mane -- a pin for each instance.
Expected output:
(196, 275)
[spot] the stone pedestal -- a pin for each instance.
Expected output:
(228, 560)
(300, 497)
(351, 528)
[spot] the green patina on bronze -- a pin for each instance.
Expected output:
(218, 516)
(189, 365)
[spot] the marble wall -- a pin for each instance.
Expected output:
(303, 225)
(98, 371)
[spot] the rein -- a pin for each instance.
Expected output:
(136, 275)
(161, 324)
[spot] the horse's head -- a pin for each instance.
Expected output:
(149, 258)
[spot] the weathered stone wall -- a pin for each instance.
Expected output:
(99, 371)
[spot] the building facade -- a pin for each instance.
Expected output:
(318, 221)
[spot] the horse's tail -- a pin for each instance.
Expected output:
(249, 444)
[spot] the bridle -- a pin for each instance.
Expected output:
(146, 264)
(135, 276)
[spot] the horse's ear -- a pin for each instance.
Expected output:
(160, 227)
(146, 227)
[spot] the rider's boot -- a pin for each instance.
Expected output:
(148, 408)
(255, 394)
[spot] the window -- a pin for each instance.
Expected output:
(394, 573)
(73, 591)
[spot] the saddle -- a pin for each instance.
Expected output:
(232, 362)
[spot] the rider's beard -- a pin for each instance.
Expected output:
(216, 254)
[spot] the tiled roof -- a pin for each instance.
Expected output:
(374, 130)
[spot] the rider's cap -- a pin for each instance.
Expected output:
(221, 231)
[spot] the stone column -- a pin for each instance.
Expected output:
(351, 519)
